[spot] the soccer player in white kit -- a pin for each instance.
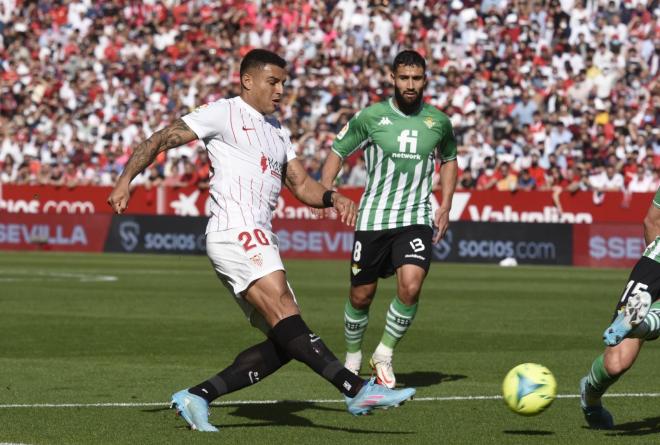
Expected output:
(251, 157)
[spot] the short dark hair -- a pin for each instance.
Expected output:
(409, 58)
(258, 58)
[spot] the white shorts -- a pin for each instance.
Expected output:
(240, 257)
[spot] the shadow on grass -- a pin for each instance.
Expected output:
(286, 414)
(650, 425)
(529, 432)
(281, 414)
(420, 379)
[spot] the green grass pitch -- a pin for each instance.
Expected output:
(84, 329)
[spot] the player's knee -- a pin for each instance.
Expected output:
(409, 292)
(617, 364)
(361, 300)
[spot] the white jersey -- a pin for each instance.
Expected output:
(248, 152)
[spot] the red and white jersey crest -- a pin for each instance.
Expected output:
(248, 152)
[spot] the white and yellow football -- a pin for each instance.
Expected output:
(529, 389)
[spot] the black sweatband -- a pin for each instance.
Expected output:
(327, 198)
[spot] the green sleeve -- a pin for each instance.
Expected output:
(352, 137)
(447, 147)
(656, 199)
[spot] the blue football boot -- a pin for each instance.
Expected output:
(632, 314)
(373, 395)
(194, 410)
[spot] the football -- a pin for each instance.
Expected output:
(529, 389)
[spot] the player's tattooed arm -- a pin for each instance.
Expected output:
(311, 192)
(178, 133)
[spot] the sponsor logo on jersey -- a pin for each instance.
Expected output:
(429, 122)
(414, 255)
(384, 121)
(276, 168)
(343, 131)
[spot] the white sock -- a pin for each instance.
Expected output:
(383, 351)
(354, 356)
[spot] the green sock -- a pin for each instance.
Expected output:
(355, 324)
(599, 379)
(649, 329)
(398, 320)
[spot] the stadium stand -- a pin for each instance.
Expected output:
(543, 94)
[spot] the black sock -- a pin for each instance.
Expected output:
(293, 335)
(249, 367)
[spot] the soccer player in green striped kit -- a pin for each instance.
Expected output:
(636, 319)
(402, 138)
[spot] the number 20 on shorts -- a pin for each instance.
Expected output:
(247, 239)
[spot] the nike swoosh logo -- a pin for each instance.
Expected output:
(246, 128)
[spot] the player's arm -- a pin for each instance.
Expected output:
(178, 133)
(448, 178)
(652, 221)
(331, 169)
(351, 138)
(316, 195)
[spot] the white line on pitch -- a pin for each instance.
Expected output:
(273, 402)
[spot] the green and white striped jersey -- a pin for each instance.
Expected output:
(400, 151)
(653, 250)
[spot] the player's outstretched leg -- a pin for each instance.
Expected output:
(248, 368)
(355, 325)
(629, 317)
(375, 396)
(293, 335)
(398, 320)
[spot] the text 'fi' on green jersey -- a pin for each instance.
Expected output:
(400, 151)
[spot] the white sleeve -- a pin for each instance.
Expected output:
(209, 120)
(290, 149)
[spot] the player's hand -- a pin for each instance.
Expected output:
(441, 221)
(346, 209)
(118, 198)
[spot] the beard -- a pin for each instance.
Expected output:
(405, 106)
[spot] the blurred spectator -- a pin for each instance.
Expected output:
(606, 179)
(487, 180)
(525, 181)
(506, 179)
(642, 181)
(466, 181)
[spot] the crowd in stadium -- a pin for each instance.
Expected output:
(542, 94)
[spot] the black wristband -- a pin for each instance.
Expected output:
(327, 198)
